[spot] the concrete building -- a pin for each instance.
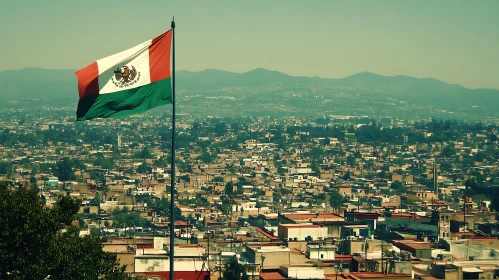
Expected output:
(300, 232)
(320, 252)
(268, 256)
(465, 270)
(421, 250)
(302, 272)
(298, 218)
(190, 262)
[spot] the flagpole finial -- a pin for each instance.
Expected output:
(173, 22)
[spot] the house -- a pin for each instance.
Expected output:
(320, 252)
(268, 256)
(420, 250)
(301, 232)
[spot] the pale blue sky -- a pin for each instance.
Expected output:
(452, 40)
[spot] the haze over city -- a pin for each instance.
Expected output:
(454, 41)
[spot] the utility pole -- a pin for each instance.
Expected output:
(365, 255)
(209, 235)
(382, 256)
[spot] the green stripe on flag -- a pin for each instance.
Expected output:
(125, 102)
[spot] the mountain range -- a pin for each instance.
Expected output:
(371, 92)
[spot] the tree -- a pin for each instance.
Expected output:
(397, 186)
(142, 168)
(335, 199)
(65, 170)
(30, 247)
(206, 157)
(229, 189)
(234, 270)
(83, 258)
(218, 179)
(144, 153)
(259, 204)
(96, 200)
(351, 160)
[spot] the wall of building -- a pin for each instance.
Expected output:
(302, 272)
(198, 275)
(298, 245)
(400, 267)
(410, 224)
(317, 252)
(128, 260)
(271, 260)
(158, 264)
(448, 272)
(300, 233)
(353, 246)
(423, 253)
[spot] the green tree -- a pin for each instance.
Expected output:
(218, 179)
(206, 157)
(65, 170)
(259, 205)
(30, 247)
(96, 200)
(144, 153)
(397, 186)
(351, 160)
(34, 170)
(234, 270)
(142, 168)
(83, 258)
(229, 189)
(335, 199)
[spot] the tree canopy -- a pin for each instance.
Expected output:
(32, 248)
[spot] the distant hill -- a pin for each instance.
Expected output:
(34, 83)
(400, 93)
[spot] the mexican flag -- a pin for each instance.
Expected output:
(130, 82)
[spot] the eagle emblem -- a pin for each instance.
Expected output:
(125, 76)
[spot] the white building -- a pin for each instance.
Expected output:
(320, 252)
(301, 232)
(301, 272)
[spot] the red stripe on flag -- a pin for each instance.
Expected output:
(88, 80)
(159, 56)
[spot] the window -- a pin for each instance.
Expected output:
(322, 256)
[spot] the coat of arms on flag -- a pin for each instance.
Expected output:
(125, 76)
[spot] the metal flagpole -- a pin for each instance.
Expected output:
(172, 182)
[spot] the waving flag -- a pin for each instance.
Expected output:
(130, 82)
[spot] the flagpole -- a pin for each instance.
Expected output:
(172, 182)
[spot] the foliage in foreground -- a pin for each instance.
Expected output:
(31, 248)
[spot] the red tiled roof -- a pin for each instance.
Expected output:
(343, 257)
(312, 216)
(180, 223)
(363, 275)
(266, 234)
(271, 276)
(413, 245)
(180, 274)
(299, 226)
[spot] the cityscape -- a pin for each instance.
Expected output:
(337, 196)
(249, 140)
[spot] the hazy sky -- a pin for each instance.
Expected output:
(455, 41)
